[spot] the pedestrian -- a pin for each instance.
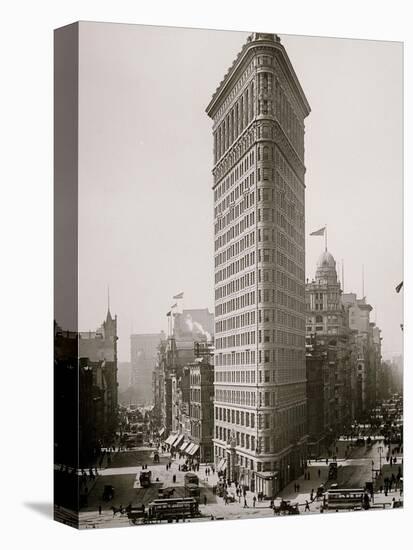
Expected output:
(307, 506)
(254, 500)
(245, 503)
(174, 478)
(298, 487)
(319, 472)
(100, 510)
(205, 500)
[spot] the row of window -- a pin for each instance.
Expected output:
(282, 261)
(233, 177)
(236, 321)
(235, 340)
(225, 220)
(231, 198)
(242, 440)
(235, 397)
(246, 241)
(273, 101)
(234, 123)
(239, 418)
(286, 358)
(239, 358)
(242, 376)
(235, 285)
(244, 300)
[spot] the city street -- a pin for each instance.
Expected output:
(352, 472)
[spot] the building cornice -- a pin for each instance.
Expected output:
(256, 41)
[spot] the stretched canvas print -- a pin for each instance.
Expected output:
(228, 275)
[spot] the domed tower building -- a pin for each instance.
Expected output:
(327, 341)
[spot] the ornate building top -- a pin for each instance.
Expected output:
(326, 269)
(258, 39)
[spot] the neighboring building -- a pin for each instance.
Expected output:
(170, 381)
(258, 114)
(144, 348)
(124, 379)
(327, 326)
(316, 366)
(98, 356)
(66, 399)
(367, 354)
(85, 367)
(202, 407)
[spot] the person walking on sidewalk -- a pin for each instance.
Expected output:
(254, 500)
(307, 506)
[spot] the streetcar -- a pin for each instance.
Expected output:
(145, 478)
(191, 479)
(172, 508)
(345, 499)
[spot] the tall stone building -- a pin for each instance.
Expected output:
(258, 114)
(367, 356)
(170, 380)
(327, 326)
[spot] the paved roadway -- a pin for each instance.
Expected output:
(352, 472)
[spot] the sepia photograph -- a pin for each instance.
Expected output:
(228, 248)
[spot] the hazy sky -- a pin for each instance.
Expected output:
(145, 199)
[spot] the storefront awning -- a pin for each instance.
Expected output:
(178, 441)
(189, 447)
(194, 449)
(185, 445)
(222, 464)
(170, 439)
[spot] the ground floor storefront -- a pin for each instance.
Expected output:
(259, 473)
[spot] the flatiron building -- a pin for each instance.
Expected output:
(258, 113)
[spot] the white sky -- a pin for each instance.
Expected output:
(145, 199)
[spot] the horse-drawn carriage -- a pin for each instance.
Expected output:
(286, 508)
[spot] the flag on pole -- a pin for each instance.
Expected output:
(168, 314)
(319, 232)
(175, 305)
(399, 287)
(178, 296)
